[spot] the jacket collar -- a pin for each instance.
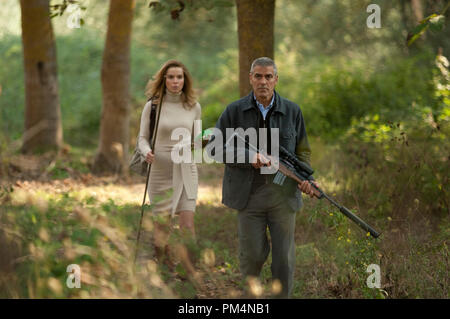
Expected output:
(278, 106)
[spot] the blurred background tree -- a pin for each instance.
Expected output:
(114, 126)
(42, 129)
(255, 34)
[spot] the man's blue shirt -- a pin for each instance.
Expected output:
(264, 110)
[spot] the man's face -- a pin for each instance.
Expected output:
(263, 81)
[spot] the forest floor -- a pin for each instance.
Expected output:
(55, 213)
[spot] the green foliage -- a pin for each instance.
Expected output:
(221, 92)
(410, 152)
(198, 38)
(12, 87)
(334, 93)
(434, 22)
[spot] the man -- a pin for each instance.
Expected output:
(260, 203)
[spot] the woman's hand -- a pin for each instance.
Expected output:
(149, 157)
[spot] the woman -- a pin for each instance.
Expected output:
(172, 187)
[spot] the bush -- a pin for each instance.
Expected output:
(334, 92)
(406, 159)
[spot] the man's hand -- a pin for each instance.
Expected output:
(306, 188)
(149, 157)
(260, 160)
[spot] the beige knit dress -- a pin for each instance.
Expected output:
(172, 186)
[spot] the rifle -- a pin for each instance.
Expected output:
(290, 166)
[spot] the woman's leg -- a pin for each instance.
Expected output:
(161, 233)
(184, 249)
(186, 221)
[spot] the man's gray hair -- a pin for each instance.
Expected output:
(264, 61)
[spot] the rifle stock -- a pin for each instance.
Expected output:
(291, 174)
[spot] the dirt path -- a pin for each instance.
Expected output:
(29, 185)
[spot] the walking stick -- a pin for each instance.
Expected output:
(155, 130)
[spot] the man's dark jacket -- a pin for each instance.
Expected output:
(243, 113)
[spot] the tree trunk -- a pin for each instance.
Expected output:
(255, 33)
(113, 147)
(417, 9)
(43, 129)
(417, 16)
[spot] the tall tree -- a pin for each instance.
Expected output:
(417, 9)
(43, 128)
(113, 147)
(255, 34)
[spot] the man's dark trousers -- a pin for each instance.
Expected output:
(266, 208)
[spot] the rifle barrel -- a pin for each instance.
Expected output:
(321, 194)
(344, 210)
